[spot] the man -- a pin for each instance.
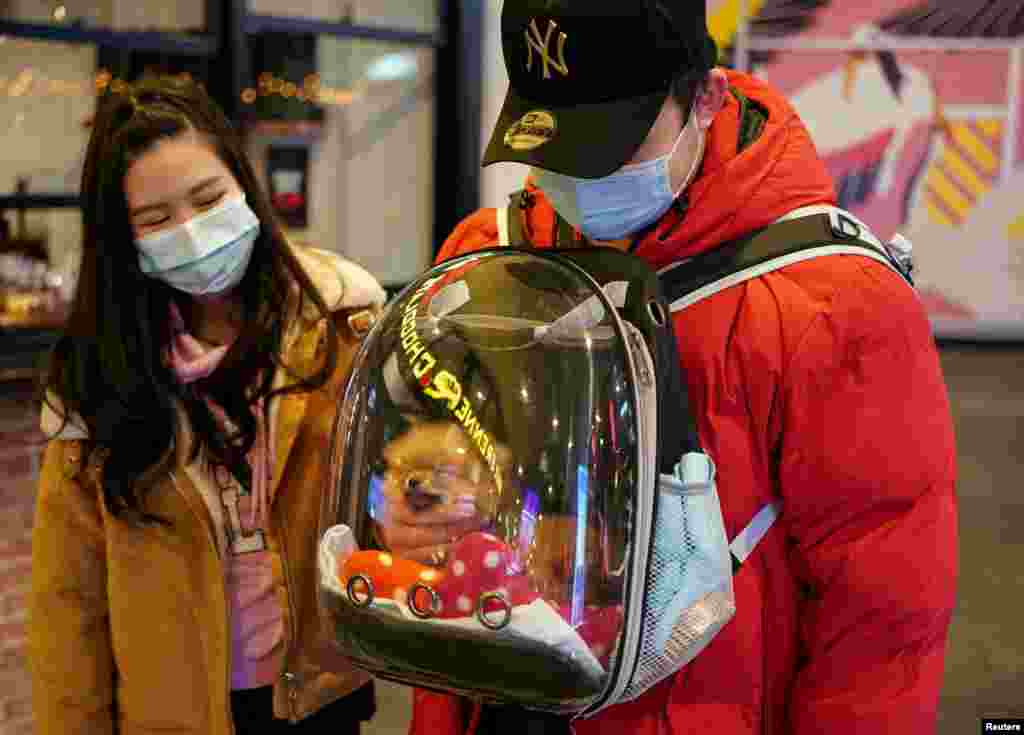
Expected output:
(817, 385)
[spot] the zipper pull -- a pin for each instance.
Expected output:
(291, 681)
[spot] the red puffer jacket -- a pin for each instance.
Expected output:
(820, 385)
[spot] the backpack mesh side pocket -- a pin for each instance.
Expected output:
(690, 592)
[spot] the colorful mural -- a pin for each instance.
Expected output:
(918, 111)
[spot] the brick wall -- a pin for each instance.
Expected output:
(19, 461)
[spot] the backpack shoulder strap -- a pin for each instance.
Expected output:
(510, 225)
(805, 234)
(510, 222)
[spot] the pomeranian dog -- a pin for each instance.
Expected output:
(434, 467)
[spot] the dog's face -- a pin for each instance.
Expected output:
(434, 464)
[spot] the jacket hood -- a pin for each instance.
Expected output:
(736, 191)
(341, 283)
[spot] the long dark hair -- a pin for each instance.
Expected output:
(108, 367)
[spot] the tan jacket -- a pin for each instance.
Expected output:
(128, 630)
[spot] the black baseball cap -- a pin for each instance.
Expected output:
(588, 78)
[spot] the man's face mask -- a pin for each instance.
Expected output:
(634, 197)
(207, 255)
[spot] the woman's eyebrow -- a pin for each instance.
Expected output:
(203, 184)
(192, 192)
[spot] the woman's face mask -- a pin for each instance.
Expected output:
(634, 197)
(208, 254)
(192, 227)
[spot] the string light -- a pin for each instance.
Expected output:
(22, 84)
(312, 90)
(29, 83)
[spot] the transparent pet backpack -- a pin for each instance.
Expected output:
(518, 510)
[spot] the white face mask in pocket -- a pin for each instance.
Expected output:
(690, 595)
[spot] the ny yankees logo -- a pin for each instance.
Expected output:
(542, 45)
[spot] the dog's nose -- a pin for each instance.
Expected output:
(417, 495)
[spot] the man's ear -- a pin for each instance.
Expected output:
(711, 98)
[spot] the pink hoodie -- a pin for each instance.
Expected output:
(255, 614)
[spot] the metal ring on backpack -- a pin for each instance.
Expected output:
(435, 601)
(350, 589)
(482, 615)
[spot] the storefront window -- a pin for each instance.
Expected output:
(121, 15)
(343, 132)
(47, 97)
(412, 15)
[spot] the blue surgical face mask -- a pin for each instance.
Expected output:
(205, 256)
(634, 197)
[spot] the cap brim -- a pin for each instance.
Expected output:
(588, 141)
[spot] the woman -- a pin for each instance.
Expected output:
(190, 406)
